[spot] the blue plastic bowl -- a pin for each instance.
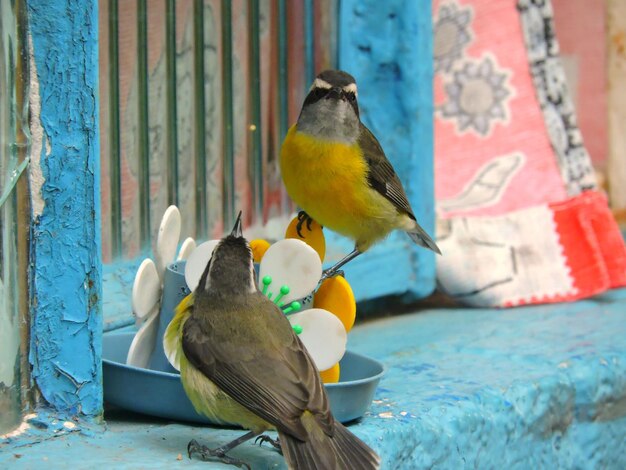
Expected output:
(161, 394)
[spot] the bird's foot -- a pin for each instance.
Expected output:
(303, 218)
(207, 454)
(335, 270)
(331, 272)
(275, 443)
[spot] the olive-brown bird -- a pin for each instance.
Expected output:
(336, 171)
(241, 363)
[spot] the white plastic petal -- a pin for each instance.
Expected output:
(186, 249)
(167, 239)
(290, 263)
(146, 289)
(144, 341)
(323, 334)
(197, 261)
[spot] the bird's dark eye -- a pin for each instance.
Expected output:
(321, 92)
(351, 96)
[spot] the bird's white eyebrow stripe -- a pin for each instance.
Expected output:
(351, 88)
(319, 83)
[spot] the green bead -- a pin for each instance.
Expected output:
(297, 329)
(284, 290)
(295, 306)
(267, 280)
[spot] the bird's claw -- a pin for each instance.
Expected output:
(302, 218)
(330, 272)
(192, 447)
(206, 454)
(275, 443)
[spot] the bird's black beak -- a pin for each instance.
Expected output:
(336, 93)
(237, 230)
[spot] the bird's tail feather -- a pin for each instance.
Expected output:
(322, 452)
(419, 236)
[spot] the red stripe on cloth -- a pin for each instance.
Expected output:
(592, 243)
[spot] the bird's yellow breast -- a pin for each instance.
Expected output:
(328, 180)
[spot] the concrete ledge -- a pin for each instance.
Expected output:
(532, 387)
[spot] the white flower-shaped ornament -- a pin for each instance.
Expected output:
(148, 287)
(289, 272)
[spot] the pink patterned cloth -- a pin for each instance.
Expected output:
(521, 220)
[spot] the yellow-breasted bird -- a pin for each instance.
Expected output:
(336, 171)
(241, 363)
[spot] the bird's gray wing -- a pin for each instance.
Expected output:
(381, 176)
(266, 368)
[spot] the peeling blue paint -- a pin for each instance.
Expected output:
(66, 329)
(387, 46)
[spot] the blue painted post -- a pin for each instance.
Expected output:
(387, 47)
(66, 277)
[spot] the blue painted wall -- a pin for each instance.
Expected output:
(66, 277)
(387, 46)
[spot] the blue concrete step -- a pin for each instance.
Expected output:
(528, 388)
(532, 387)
